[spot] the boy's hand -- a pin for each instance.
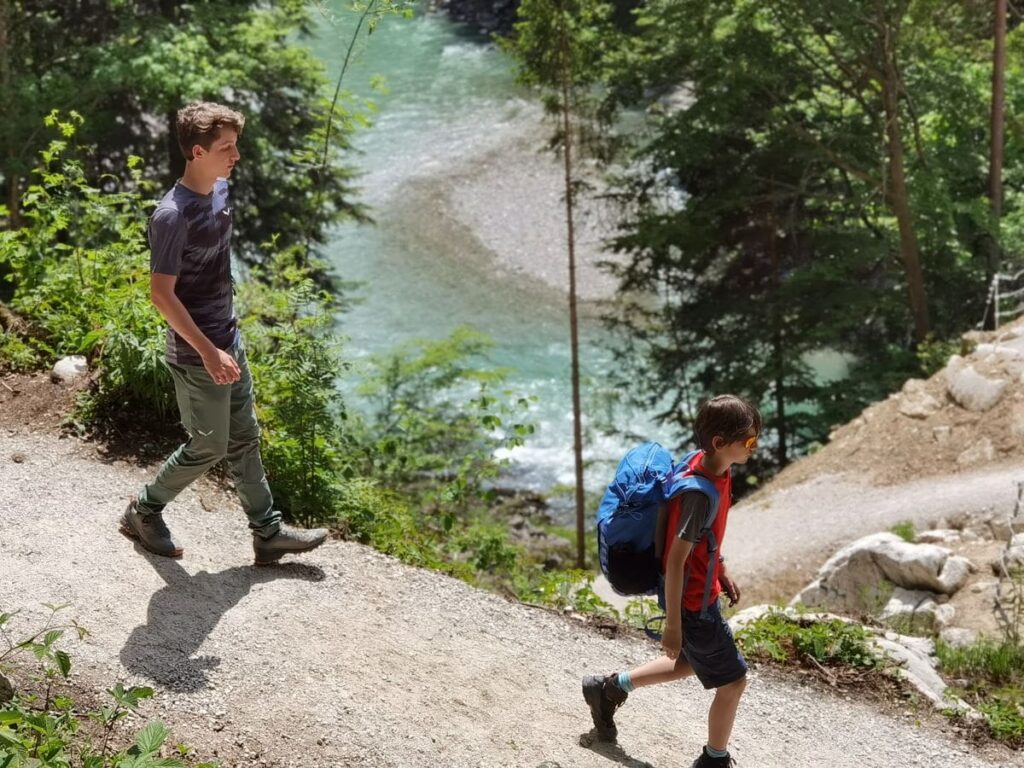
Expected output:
(222, 367)
(731, 590)
(672, 641)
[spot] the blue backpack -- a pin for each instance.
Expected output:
(627, 520)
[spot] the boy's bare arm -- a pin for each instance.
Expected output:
(732, 590)
(672, 637)
(220, 365)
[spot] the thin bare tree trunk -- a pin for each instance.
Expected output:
(577, 426)
(995, 179)
(175, 160)
(898, 195)
(995, 174)
(778, 341)
(13, 192)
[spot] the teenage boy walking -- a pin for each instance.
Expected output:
(191, 286)
(727, 429)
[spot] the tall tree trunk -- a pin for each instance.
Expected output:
(778, 341)
(577, 425)
(898, 196)
(175, 160)
(995, 174)
(13, 192)
(14, 202)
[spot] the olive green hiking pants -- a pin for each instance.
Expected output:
(221, 423)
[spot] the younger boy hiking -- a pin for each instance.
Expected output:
(696, 639)
(191, 286)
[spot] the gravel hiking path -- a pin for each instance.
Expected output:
(349, 658)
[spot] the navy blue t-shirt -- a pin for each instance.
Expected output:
(190, 237)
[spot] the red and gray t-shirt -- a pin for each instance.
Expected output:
(686, 516)
(190, 238)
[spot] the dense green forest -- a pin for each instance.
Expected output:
(129, 66)
(793, 177)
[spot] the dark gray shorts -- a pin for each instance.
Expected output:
(711, 649)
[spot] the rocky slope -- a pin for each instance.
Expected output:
(968, 416)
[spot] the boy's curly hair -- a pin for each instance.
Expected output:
(200, 123)
(726, 416)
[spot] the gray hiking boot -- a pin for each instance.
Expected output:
(603, 697)
(287, 541)
(149, 530)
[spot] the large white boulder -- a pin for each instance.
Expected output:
(916, 657)
(969, 388)
(854, 579)
(954, 574)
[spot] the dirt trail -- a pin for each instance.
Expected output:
(348, 658)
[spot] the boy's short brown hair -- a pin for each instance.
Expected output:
(200, 123)
(726, 416)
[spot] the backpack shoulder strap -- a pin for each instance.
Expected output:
(659, 531)
(684, 480)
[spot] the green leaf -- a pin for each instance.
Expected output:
(152, 737)
(63, 662)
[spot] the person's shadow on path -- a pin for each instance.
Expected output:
(610, 750)
(182, 614)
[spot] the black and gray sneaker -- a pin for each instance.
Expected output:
(707, 761)
(287, 541)
(604, 697)
(149, 530)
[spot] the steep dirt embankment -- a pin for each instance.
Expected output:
(968, 416)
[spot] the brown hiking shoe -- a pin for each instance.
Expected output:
(149, 530)
(604, 697)
(287, 541)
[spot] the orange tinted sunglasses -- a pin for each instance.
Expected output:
(750, 443)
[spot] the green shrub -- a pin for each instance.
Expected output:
(905, 530)
(435, 418)
(998, 663)
(777, 637)
(990, 676)
(380, 518)
(489, 549)
(1005, 716)
(16, 354)
(640, 611)
(933, 353)
(564, 590)
(295, 359)
(45, 730)
(80, 274)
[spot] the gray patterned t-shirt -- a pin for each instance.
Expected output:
(190, 237)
